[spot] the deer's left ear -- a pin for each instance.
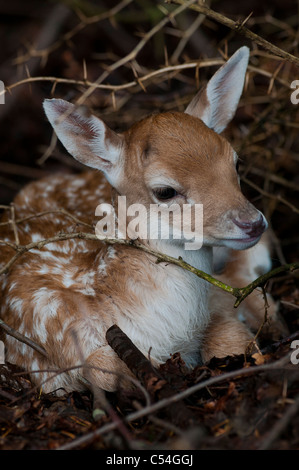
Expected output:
(87, 138)
(216, 103)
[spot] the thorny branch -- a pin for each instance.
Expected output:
(239, 292)
(125, 86)
(198, 64)
(84, 22)
(239, 27)
(98, 84)
(133, 54)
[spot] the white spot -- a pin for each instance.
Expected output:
(87, 278)
(67, 279)
(43, 270)
(62, 247)
(102, 267)
(78, 183)
(17, 305)
(12, 286)
(36, 237)
(87, 291)
(46, 306)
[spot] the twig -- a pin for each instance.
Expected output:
(253, 342)
(274, 178)
(49, 150)
(198, 64)
(243, 292)
(21, 170)
(270, 196)
(124, 86)
(133, 54)
(186, 36)
(7, 243)
(44, 52)
(44, 213)
(280, 425)
(139, 82)
(15, 334)
(100, 402)
(289, 304)
(239, 293)
(54, 22)
(12, 222)
(111, 241)
(270, 348)
(239, 27)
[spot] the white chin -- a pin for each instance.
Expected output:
(239, 243)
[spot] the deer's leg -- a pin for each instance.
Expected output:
(104, 369)
(243, 267)
(224, 336)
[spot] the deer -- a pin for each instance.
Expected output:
(66, 294)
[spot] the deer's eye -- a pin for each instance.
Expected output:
(165, 193)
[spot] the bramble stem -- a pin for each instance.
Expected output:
(239, 292)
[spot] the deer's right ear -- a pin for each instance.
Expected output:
(86, 137)
(217, 103)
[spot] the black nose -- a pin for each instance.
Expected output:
(253, 229)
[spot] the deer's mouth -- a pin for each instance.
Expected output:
(240, 243)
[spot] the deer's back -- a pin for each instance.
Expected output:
(35, 284)
(55, 204)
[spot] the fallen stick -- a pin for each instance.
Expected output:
(150, 377)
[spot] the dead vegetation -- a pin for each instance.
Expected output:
(126, 59)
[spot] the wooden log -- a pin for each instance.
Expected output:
(150, 377)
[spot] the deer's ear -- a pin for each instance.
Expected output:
(87, 138)
(217, 102)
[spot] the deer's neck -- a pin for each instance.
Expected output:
(172, 310)
(200, 259)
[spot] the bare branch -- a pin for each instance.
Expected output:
(133, 54)
(280, 425)
(24, 339)
(85, 21)
(269, 195)
(239, 27)
(239, 293)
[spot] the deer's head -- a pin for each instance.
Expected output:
(174, 157)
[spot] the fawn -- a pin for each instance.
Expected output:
(65, 295)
